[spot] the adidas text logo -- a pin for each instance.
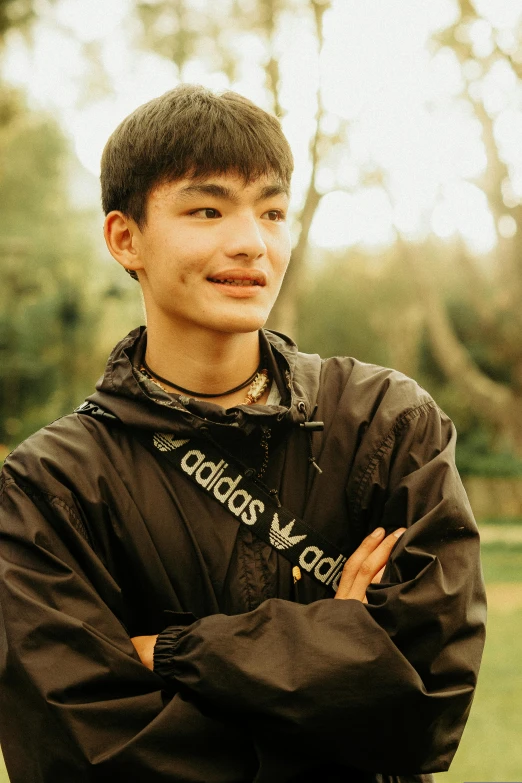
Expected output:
(326, 569)
(210, 476)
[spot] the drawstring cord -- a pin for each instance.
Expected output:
(310, 427)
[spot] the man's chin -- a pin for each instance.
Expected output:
(240, 324)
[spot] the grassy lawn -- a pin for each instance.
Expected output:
(502, 562)
(491, 749)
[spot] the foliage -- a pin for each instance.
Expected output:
(336, 310)
(478, 344)
(54, 285)
(15, 13)
(478, 455)
(366, 306)
(186, 31)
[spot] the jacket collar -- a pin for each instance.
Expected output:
(126, 393)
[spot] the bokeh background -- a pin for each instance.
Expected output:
(405, 118)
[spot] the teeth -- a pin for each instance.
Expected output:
(232, 281)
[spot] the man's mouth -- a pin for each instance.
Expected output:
(234, 281)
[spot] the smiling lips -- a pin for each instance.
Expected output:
(234, 281)
(240, 278)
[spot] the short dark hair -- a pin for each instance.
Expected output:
(189, 131)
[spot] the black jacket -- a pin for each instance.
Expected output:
(269, 681)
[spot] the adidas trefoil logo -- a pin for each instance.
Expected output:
(164, 441)
(281, 539)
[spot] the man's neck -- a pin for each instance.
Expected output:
(201, 360)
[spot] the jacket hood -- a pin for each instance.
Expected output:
(126, 393)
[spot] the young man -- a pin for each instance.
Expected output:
(154, 630)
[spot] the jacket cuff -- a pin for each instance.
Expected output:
(164, 650)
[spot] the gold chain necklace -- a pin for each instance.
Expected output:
(254, 392)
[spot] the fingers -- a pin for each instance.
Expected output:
(373, 564)
(355, 561)
(375, 581)
(366, 564)
(144, 646)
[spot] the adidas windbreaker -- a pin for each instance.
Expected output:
(259, 679)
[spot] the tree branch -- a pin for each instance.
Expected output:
(493, 400)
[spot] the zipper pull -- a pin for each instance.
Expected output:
(296, 573)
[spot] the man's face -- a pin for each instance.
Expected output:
(213, 252)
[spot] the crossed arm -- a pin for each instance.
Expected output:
(365, 566)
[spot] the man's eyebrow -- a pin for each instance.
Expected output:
(221, 191)
(269, 191)
(206, 189)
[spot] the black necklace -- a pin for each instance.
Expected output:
(200, 394)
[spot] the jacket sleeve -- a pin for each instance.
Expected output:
(385, 686)
(77, 704)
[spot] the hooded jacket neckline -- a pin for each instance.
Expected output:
(124, 391)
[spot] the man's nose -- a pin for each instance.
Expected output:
(246, 237)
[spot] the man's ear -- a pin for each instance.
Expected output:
(122, 237)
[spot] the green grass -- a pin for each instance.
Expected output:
(500, 521)
(491, 749)
(502, 562)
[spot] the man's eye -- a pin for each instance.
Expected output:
(206, 212)
(275, 214)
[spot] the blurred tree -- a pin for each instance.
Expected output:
(341, 297)
(58, 311)
(490, 380)
(351, 301)
(56, 318)
(46, 264)
(16, 13)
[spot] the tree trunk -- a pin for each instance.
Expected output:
(495, 401)
(284, 315)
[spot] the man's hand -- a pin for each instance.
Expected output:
(366, 565)
(145, 648)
